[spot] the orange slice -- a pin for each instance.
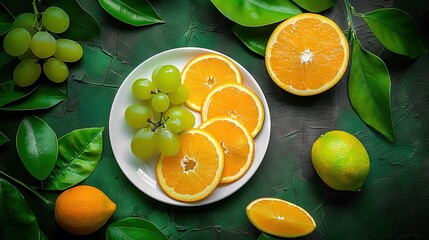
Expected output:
(280, 218)
(307, 54)
(195, 171)
(206, 71)
(237, 144)
(236, 101)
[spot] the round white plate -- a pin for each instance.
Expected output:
(142, 173)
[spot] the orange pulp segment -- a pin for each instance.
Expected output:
(236, 101)
(280, 218)
(307, 54)
(195, 171)
(237, 144)
(206, 71)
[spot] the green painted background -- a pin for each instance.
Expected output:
(394, 202)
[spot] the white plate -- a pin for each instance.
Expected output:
(142, 174)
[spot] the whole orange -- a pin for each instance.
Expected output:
(83, 209)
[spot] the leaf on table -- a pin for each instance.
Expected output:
(83, 26)
(37, 146)
(6, 20)
(396, 30)
(3, 139)
(17, 219)
(265, 236)
(45, 96)
(369, 90)
(132, 12)
(251, 13)
(315, 5)
(78, 154)
(133, 228)
(10, 92)
(255, 38)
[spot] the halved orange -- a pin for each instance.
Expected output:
(206, 71)
(280, 218)
(195, 171)
(237, 144)
(307, 54)
(236, 101)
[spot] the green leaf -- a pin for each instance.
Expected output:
(133, 228)
(17, 220)
(45, 96)
(255, 38)
(132, 12)
(78, 155)
(6, 20)
(37, 146)
(83, 26)
(397, 31)
(265, 236)
(3, 139)
(256, 13)
(369, 90)
(10, 92)
(315, 5)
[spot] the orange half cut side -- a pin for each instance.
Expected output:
(307, 54)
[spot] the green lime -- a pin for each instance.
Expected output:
(340, 160)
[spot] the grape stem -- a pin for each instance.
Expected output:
(156, 124)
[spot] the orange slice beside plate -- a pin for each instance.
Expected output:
(280, 218)
(307, 54)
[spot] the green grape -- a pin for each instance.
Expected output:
(179, 96)
(17, 41)
(43, 44)
(143, 88)
(26, 72)
(137, 116)
(167, 78)
(143, 143)
(174, 124)
(55, 19)
(160, 102)
(56, 70)
(187, 118)
(27, 21)
(167, 142)
(68, 50)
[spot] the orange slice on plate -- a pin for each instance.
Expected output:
(280, 218)
(307, 54)
(236, 101)
(195, 171)
(237, 144)
(206, 71)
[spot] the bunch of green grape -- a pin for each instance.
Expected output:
(32, 40)
(159, 116)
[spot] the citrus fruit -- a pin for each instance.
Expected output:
(206, 71)
(194, 172)
(280, 218)
(237, 145)
(340, 160)
(307, 54)
(236, 101)
(83, 209)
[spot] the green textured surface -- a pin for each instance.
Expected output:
(393, 203)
